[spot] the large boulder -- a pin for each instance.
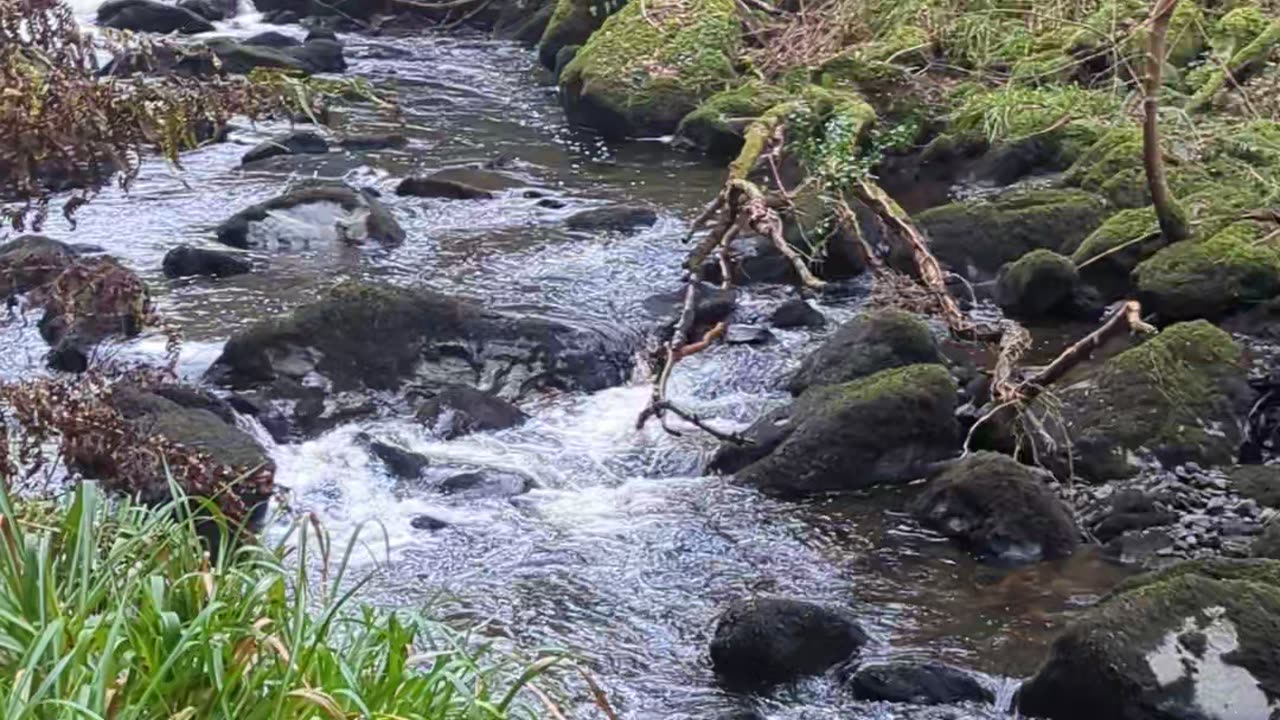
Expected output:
(461, 410)
(312, 213)
(1039, 284)
(874, 341)
(999, 509)
(1180, 396)
(31, 261)
(373, 337)
(882, 429)
(765, 641)
(1209, 278)
(241, 58)
(571, 23)
(1107, 257)
(929, 683)
(716, 127)
(210, 10)
(650, 64)
(150, 16)
(298, 142)
(976, 237)
(187, 261)
(1199, 641)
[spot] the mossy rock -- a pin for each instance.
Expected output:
(1180, 396)
(1260, 483)
(1179, 646)
(1226, 569)
(1107, 257)
(875, 341)
(1038, 284)
(651, 64)
(572, 23)
(999, 509)
(716, 126)
(976, 237)
(882, 429)
(1210, 278)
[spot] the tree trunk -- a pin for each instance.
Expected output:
(1173, 221)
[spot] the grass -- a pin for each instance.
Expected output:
(115, 611)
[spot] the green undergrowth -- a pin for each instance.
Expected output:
(115, 610)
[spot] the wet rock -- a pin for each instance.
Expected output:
(1179, 397)
(241, 58)
(765, 641)
(433, 187)
(320, 33)
(747, 335)
(93, 299)
(930, 683)
(460, 410)
(571, 24)
(362, 216)
(486, 483)
(523, 22)
(272, 39)
(299, 142)
(629, 79)
(757, 261)
(796, 313)
(366, 336)
(616, 218)
(150, 16)
(187, 261)
(373, 141)
(1260, 483)
(1200, 640)
(874, 341)
(210, 10)
(484, 178)
(1210, 278)
(400, 462)
(31, 261)
(1039, 284)
(881, 429)
(999, 509)
(976, 237)
(427, 522)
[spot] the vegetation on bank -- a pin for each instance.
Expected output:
(114, 610)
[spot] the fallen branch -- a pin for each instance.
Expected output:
(1126, 318)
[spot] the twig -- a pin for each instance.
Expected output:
(1126, 318)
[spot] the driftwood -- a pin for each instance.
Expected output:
(1126, 318)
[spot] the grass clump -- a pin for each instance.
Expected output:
(115, 610)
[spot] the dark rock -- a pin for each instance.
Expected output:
(321, 33)
(796, 313)
(563, 57)
(240, 58)
(460, 410)
(432, 187)
(401, 463)
(113, 305)
(1267, 545)
(380, 337)
(366, 217)
(486, 484)
(552, 203)
(299, 142)
(930, 683)
(523, 24)
(747, 335)
(150, 16)
(998, 509)
(31, 261)
(1134, 655)
(1039, 284)
(484, 178)
(427, 522)
(765, 641)
(714, 305)
(975, 238)
(281, 17)
(616, 218)
(210, 10)
(272, 39)
(1209, 278)
(186, 261)
(881, 429)
(757, 261)
(1260, 483)
(875, 341)
(374, 141)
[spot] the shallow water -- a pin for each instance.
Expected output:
(624, 553)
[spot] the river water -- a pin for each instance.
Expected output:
(625, 553)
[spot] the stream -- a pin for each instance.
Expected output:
(624, 553)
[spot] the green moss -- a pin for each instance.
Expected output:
(1039, 283)
(1260, 483)
(1266, 572)
(1121, 229)
(1069, 117)
(717, 125)
(897, 382)
(572, 22)
(1239, 62)
(651, 63)
(1207, 279)
(874, 341)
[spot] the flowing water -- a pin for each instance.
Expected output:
(624, 553)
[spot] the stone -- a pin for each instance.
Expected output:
(211, 10)
(1040, 284)
(747, 335)
(107, 300)
(929, 683)
(355, 215)
(1260, 483)
(460, 410)
(1209, 278)
(187, 261)
(614, 218)
(874, 341)
(427, 522)
(999, 509)
(150, 16)
(32, 261)
(299, 142)
(570, 25)
(400, 462)
(432, 187)
(766, 641)
(796, 313)
(272, 39)
(373, 141)
(1267, 544)
(486, 484)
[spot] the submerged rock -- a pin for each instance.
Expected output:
(997, 508)
(1039, 284)
(765, 641)
(372, 337)
(299, 142)
(1201, 640)
(354, 215)
(976, 237)
(187, 261)
(427, 522)
(30, 262)
(930, 683)
(874, 341)
(150, 16)
(1180, 396)
(636, 77)
(881, 429)
(460, 410)
(617, 218)
(373, 141)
